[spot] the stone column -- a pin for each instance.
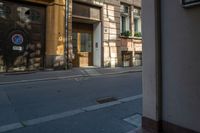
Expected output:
(151, 67)
(55, 34)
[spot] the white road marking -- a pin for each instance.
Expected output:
(127, 99)
(100, 106)
(52, 117)
(66, 114)
(10, 127)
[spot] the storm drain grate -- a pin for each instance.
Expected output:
(106, 100)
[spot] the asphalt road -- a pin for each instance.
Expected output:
(70, 106)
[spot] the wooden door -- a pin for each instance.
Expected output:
(83, 47)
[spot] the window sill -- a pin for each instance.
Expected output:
(127, 37)
(138, 38)
(131, 37)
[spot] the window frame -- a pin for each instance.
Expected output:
(127, 15)
(137, 15)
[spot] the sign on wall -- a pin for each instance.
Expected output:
(188, 3)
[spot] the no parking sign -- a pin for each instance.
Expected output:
(17, 39)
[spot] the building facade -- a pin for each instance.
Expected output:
(101, 33)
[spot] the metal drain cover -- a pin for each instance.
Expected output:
(106, 100)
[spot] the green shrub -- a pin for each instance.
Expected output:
(138, 34)
(126, 34)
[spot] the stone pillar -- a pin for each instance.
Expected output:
(151, 69)
(55, 34)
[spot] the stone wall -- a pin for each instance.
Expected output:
(113, 43)
(111, 32)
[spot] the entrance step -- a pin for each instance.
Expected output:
(92, 72)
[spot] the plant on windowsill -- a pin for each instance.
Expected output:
(138, 34)
(126, 34)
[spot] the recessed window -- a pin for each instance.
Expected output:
(125, 18)
(137, 22)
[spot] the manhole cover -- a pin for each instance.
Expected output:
(106, 100)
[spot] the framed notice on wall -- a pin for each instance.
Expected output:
(188, 3)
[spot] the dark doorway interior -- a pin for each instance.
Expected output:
(22, 32)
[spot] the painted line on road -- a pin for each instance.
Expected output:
(10, 127)
(101, 106)
(66, 114)
(127, 99)
(52, 117)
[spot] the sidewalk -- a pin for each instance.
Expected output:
(12, 78)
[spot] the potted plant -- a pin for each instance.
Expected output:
(137, 34)
(126, 34)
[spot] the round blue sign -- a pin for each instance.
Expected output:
(17, 39)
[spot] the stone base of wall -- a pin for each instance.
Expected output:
(55, 62)
(113, 56)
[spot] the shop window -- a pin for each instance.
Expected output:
(125, 18)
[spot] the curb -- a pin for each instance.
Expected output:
(128, 71)
(67, 77)
(43, 79)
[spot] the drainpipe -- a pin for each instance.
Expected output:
(66, 54)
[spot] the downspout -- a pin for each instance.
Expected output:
(66, 52)
(158, 39)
